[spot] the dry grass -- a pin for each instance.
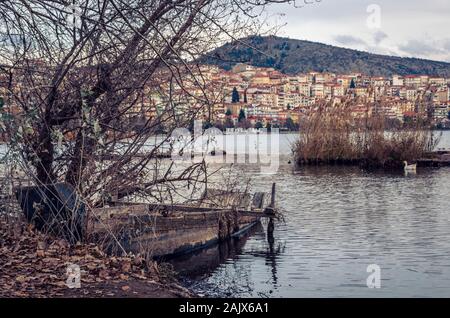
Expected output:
(332, 135)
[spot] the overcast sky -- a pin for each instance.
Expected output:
(413, 28)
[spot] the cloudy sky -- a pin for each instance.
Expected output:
(413, 28)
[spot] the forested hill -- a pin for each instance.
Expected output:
(296, 56)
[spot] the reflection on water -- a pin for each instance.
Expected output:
(203, 261)
(195, 268)
(338, 221)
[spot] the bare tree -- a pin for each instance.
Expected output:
(87, 84)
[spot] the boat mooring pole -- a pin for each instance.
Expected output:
(270, 229)
(271, 225)
(272, 198)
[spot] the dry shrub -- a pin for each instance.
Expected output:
(332, 134)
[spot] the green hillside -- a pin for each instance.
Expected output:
(296, 56)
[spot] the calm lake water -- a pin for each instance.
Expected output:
(338, 220)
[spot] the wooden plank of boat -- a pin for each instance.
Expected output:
(159, 229)
(130, 208)
(178, 233)
(182, 229)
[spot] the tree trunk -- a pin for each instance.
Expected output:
(45, 154)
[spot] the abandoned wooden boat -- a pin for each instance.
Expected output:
(171, 230)
(154, 229)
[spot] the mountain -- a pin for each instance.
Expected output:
(296, 56)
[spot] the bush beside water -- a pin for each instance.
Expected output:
(333, 135)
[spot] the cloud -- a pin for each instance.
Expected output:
(446, 45)
(379, 36)
(344, 23)
(349, 40)
(420, 48)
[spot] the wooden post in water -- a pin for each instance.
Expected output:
(270, 229)
(272, 198)
(271, 209)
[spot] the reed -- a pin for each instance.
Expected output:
(332, 134)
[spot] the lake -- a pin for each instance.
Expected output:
(338, 220)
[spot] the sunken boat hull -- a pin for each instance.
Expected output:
(155, 230)
(141, 228)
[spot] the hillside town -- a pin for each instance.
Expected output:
(257, 97)
(248, 96)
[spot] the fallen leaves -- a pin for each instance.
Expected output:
(126, 266)
(21, 279)
(40, 253)
(35, 265)
(123, 277)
